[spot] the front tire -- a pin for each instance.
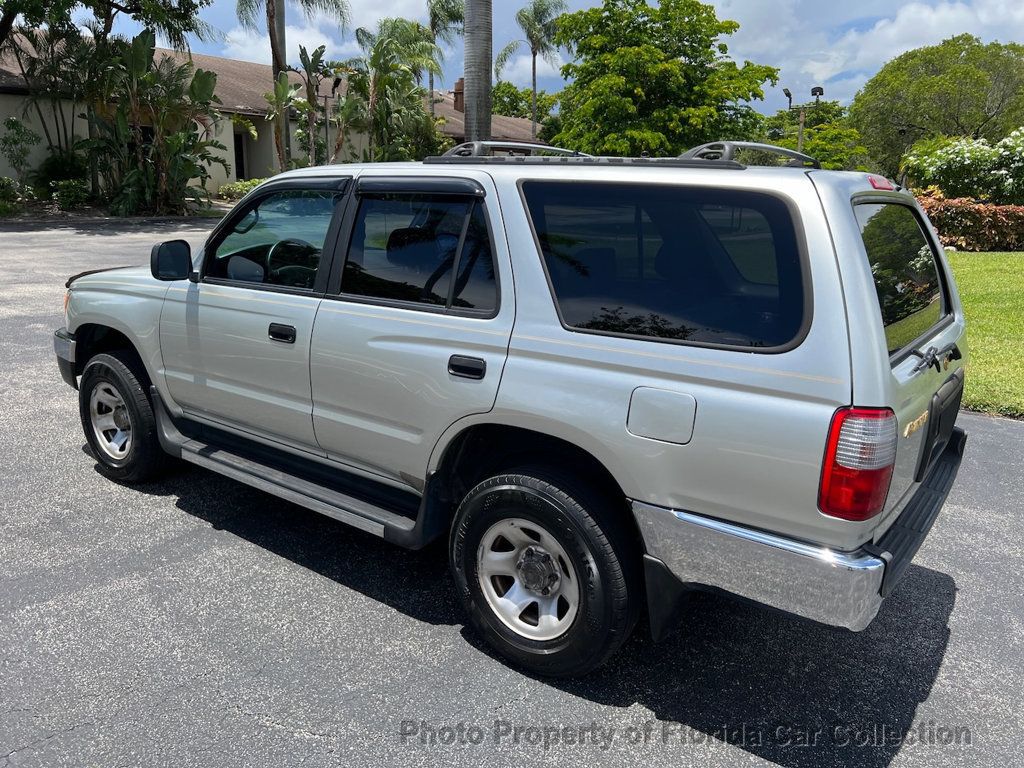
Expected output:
(117, 418)
(546, 570)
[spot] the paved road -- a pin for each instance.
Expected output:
(198, 622)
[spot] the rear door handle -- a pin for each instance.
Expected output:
(466, 367)
(282, 333)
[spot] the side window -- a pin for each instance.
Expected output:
(904, 269)
(706, 266)
(277, 242)
(405, 247)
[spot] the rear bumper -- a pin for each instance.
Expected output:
(845, 589)
(64, 348)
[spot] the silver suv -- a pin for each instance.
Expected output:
(607, 382)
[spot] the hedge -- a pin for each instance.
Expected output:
(968, 225)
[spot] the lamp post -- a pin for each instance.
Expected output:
(817, 92)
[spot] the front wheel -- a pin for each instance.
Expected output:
(545, 568)
(118, 419)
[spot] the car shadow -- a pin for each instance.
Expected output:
(788, 690)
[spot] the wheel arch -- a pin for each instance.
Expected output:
(92, 339)
(479, 450)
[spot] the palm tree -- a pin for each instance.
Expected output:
(537, 20)
(384, 96)
(444, 20)
(249, 13)
(478, 50)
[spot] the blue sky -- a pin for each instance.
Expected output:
(814, 42)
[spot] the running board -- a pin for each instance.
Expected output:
(348, 509)
(430, 522)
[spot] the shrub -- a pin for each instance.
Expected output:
(16, 144)
(963, 167)
(69, 194)
(13, 195)
(236, 190)
(58, 166)
(971, 226)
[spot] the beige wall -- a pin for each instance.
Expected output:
(13, 105)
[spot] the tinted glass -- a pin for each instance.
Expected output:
(405, 248)
(476, 286)
(680, 263)
(906, 275)
(278, 242)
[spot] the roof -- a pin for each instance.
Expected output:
(502, 128)
(241, 85)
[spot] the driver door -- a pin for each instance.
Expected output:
(235, 344)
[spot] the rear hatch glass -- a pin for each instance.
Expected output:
(906, 275)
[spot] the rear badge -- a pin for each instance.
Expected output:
(915, 425)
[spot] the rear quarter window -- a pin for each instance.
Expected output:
(670, 263)
(904, 268)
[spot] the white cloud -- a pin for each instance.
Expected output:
(519, 69)
(246, 45)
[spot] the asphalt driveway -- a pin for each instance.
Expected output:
(200, 622)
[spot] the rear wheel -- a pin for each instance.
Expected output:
(117, 418)
(545, 568)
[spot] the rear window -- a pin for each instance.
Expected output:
(683, 264)
(905, 271)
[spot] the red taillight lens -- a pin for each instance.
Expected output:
(859, 458)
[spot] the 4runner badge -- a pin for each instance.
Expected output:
(915, 425)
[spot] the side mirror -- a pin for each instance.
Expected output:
(171, 260)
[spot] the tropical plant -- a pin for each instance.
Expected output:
(272, 13)
(970, 168)
(279, 101)
(313, 72)
(537, 21)
(477, 53)
(445, 19)
(653, 79)
(961, 87)
(157, 136)
(384, 98)
(16, 145)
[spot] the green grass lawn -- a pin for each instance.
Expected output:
(992, 290)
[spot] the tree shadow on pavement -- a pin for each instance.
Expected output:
(784, 689)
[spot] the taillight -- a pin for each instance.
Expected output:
(859, 458)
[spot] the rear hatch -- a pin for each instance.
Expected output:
(906, 318)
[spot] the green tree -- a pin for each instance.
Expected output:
(537, 21)
(444, 20)
(960, 87)
(313, 72)
(653, 79)
(279, 101)
(508, 100)
(828, 135)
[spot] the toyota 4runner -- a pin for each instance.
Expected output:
(605, 381)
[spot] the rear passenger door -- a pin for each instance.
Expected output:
(414, 331)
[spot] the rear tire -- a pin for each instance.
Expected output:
(117, 418)
(547, 570)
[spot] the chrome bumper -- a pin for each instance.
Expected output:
(838, 588)
(64, 348)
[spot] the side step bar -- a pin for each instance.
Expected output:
(266, 477)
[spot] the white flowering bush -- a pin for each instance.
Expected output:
(970, 168)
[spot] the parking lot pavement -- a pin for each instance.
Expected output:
(198, 622)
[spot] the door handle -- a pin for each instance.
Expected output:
(282, 333)
(466, 367)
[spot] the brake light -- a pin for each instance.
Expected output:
(880, 182)
(859, 459)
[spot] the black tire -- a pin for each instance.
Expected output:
(144, 459)
(591, 528)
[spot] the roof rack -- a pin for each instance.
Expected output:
(511, 148)
(661, 162)
(726, 150)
